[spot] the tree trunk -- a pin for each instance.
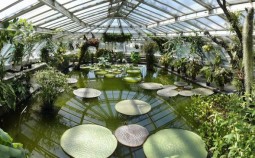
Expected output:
(248, 50)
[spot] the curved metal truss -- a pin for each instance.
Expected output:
(138, 17)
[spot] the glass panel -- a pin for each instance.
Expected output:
(35, 12)
(39, 21)
(53, 22)
(17, 7)
(7, 3)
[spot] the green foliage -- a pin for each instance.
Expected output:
(52, 82)
(207, 71)
(226, 124)
(113, 37)
(62, 48)
(103, 63)
(193, 68)
(207, 47)
(135, 57)
(8, 96)
(8, 149)
(160, 42)
(221, 76)
(47, 50)
(150, 49)
(107, 54)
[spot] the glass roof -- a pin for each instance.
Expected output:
(127, 16)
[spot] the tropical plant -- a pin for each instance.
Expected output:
(181, 65)
(207, 71)
(207, 47)
(225, 123)
(135, 57)
(47, 50)
(150, 49)
(8, 96)
(193, 68)
(165, 60)
(52, 83)
(160, 42)
(10, 149)
(221, 76)
(103, 63)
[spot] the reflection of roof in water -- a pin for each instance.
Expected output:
(100, 111)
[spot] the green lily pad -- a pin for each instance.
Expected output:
(132, 79)
(132, 107)
(109, 75)
(202, 91)
(131, 135)
(117, 72)
(87, 92)
(101, 72)
(167, 92)
(135, 71)
(90, 141)
(151, 86)
(85, 67)
(180, 83)
(174, 143)
(186, 93)
(189, 87)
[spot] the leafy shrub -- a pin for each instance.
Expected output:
(52, 83)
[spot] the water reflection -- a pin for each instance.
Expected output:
(42, 137)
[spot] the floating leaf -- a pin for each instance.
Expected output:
(151, 86)
(202, 91)
(167, 92)
(180, 83)
(186, 93)
(131, 135)
(132, 79)
(87, 92)
(174, 143)
(132, 107)
(88, 141)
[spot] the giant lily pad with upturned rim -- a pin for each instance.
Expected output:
(186, 93)
(169, 86)
(135, 71)
(174, 143)
(87, 92)
(132, 107)
(202, 91)
(167, 92)
(109, 75)
(132, 79)
(151, 85)
(131, 135)
(88, 141)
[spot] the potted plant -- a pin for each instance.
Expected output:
(207, 72)
(52, 83)
(193, 69)
(150, 48)
(135, 58)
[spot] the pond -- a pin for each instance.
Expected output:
(41, 132)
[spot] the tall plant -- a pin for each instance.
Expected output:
(248, 50)
(150, 49)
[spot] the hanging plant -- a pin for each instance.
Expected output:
(113, 37)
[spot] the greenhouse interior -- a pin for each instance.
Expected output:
(127, 79)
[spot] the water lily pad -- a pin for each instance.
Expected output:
(167, 92)
(131, 135)
(109, 75)
(90, 141)
(132, 79)
(132, 107)
(174, 143)
(72, 80)
(87, 92)
(180, 83)
(186, 93)
(85, 67)
(170, 86)
(117, 72)
(136, 71)
(101, 72)
(151, 86)
(202, 91)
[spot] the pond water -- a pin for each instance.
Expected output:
(41, 132)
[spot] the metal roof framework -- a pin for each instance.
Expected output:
(139, 17)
